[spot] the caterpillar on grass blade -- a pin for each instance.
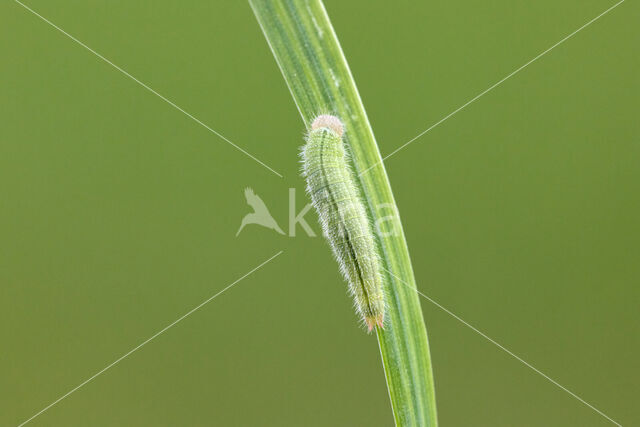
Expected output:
(333, 191)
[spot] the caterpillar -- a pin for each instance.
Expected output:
(333, 192)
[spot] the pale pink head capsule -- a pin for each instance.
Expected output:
(330, 122)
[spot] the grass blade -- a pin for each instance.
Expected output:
(307, 50)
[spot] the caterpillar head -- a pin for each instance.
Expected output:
(330, 122)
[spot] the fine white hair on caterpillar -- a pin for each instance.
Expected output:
(334, 194)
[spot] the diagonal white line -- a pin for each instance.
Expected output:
(509, 352)
(147, 87)
(491, 87)
(143, 343)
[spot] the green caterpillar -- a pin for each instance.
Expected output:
(344, 221)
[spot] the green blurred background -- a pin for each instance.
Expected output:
(118, 214)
